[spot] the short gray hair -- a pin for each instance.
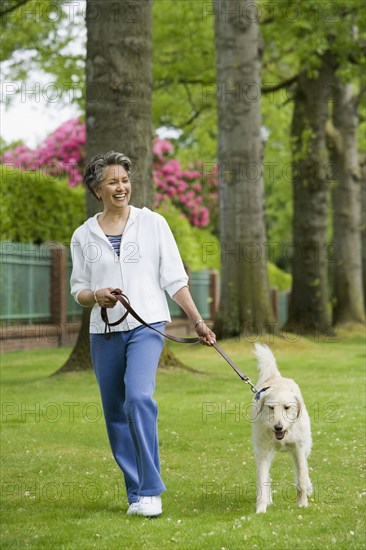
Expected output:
(94, 171)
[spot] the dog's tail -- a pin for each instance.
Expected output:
(267, 365)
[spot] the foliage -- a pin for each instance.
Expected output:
(313, 27)
(295, 35)
(191, 240)
(61, 487)
(9, 146)
(277, 278)
(184, 95)
(44, 38)
(37, 207)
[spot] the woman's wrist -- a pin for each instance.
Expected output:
(198, 322)
(86, 298)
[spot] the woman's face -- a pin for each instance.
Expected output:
(115, 189)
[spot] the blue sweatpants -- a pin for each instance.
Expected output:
(125, 367)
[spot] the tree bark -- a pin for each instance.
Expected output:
(309, 296)
(244, 304)
(348, 299)
(119, 86)
(363, 223)
(79, 359)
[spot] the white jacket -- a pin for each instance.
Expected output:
(149, 264)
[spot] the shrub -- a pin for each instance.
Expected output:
(36, 207)
(62, 153)
(278, 278)
(193, 190)
(190, 239)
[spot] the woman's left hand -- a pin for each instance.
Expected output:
(206, 336)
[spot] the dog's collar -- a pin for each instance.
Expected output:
(258, 394)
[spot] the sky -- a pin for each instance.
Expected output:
(31, 121)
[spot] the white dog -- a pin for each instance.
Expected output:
(280, 422)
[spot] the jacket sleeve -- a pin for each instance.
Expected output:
(172, 273)
(80, 276)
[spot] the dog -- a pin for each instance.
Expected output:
(280, 422)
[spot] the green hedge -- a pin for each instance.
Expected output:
(278, 278)
(192, 241)
(36, 207)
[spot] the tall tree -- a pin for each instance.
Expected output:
(348, 301)
(323, 41)
(363, 223)
(244, 303)
(118, 107)
(309, 297)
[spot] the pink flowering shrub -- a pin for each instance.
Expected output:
(62, 154)
(193, 190)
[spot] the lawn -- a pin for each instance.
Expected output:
(61, 488)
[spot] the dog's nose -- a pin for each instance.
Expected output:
(278, 428)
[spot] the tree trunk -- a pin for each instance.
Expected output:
(309, 296)
(348, 300)
(244, 304)
(79, 359)
(362, 163)
(119, 86)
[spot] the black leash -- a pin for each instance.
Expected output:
(123, 299)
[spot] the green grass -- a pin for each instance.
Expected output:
(62, 489)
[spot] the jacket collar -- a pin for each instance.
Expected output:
(94, 227)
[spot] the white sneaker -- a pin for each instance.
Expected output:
(133, 508)
(149, 506)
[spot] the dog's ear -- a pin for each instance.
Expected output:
(258, 405)
(299, 404)
(261, 403)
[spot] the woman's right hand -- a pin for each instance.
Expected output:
(105, 298)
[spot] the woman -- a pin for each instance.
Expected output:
(132, 249)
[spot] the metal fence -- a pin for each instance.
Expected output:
(25, 279)
(73, 308)
(24, 282)
(25, 287)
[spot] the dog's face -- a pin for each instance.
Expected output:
(277, 409)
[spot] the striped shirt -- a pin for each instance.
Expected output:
(115, 241)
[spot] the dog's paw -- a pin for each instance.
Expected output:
(261, 508)
(303, 503)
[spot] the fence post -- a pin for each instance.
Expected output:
(275, 303)
(214, 293)
(58, 298)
